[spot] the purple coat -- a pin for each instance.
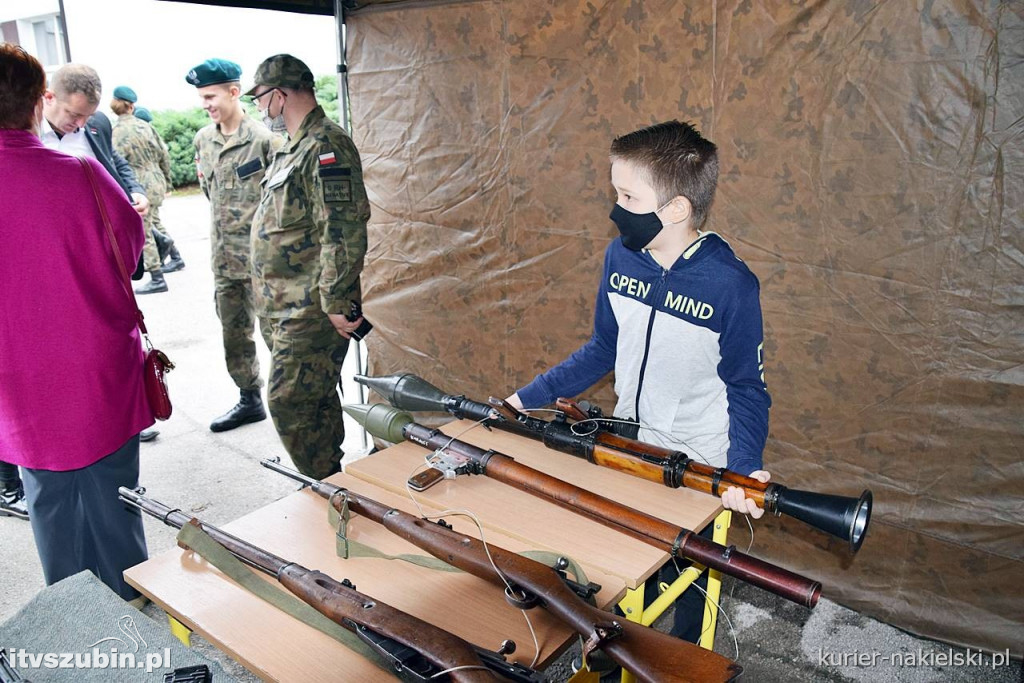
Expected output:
(71, 388)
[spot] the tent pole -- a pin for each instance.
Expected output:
(343, 108)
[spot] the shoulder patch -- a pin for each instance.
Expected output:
(327, 159)
(337, 190)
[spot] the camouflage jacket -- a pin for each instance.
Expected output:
(141, 146)
(230, 170)
(309, 232)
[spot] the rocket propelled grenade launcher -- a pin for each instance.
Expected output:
(415, 650)
(841, 516)
(651, 656)
(457, 457)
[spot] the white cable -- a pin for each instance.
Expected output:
(467, 513)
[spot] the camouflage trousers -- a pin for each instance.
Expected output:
(233, 299)
(150, 255)
(305, 368)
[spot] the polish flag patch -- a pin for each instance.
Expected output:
(327, 159)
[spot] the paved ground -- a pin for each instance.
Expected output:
(218, 476)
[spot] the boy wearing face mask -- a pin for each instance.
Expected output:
(678, 317)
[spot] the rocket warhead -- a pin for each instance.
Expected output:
(407, 391)
(380, 420)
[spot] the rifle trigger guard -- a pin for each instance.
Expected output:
(527, 601)
(603, 632)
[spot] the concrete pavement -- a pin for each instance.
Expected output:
(218, 476)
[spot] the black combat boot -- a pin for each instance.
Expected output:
(156, 284)
(249, 409)
(175, 262)
(163, 244)
(12, 502)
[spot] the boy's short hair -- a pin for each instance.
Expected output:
(77, 78)
(675, 160)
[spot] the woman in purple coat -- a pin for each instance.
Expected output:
(72, 401)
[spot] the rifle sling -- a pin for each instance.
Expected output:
(220, 557)
(347, 548)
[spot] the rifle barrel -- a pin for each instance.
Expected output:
(651, 530)
(341, 603)
(650, 655)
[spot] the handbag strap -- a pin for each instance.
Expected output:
(125, 278)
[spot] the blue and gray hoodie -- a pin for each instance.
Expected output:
(686, 345)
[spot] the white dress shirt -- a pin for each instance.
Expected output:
(75, 144)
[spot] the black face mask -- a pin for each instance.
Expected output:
(637, 229)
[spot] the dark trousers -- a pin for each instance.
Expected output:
(79, 523)
(689, 614)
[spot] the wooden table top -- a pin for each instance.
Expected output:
(277, 647)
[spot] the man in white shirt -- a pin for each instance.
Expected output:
(71, 125)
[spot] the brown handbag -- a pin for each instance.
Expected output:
(156, 364)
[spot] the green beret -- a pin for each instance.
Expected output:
(214, 71)
(282, 71)
(123, 92)
(143, 113)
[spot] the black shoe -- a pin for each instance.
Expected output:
(148, 435)
(249, 409)
(175, 262)
(156, 284)
(12, 503)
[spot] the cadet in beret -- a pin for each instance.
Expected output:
(139, 144)
(232, 154)
(308, 244)
(143, 113)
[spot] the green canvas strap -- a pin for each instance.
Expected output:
(347, 548)
(220, 557)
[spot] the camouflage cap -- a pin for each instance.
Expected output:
(282, 71)
(214, 71)
(143, 113)
(123, 92)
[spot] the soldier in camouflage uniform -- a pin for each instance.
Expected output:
(308, 244)
(145, 152)
(232, 154)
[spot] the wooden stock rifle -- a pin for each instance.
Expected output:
(455, 457)
(590, 438)
(414, 649)
(649, 654)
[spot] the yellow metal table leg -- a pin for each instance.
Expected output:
(721, 533)
(633, 607)
(633, 604)
(180, 631)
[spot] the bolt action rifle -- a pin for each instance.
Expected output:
(649, 654)
(455, 457)
(844, 517)
(414, 649)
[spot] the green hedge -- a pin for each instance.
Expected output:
(178, 128)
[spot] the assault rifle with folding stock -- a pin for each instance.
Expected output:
(590, 437)
(649, 654)
(413, 649)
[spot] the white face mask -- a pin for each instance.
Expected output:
(276, 124)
